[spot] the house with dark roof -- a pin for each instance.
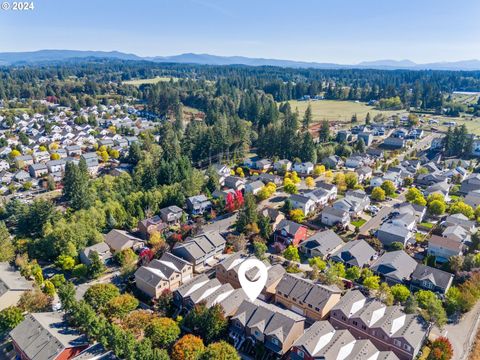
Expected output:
(305, 297)
(289, 233)
(282, 165)
(332, 162)
(429, 278)
(171, 214)
(462, 220)
(119, 240)
(303, 202)
(399, 229)
(42, 336)
(355, 201)
(355, 253)
(198, 204)
(96, 352)
(471, 183)
(389, 328)
(458, 233)
(234, 182)
(148, 226)
(254, 187)
(12, 285)
(321, 244)
(201, 249)
(102, 249)
(260, 322)
(394, 267)
(166, 273)
(323, 341)
(38, 170)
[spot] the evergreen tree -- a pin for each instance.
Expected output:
(324, 132)
(307, 118)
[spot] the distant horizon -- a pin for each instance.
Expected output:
(330, 31)
(315, 61)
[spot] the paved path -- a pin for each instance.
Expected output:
(222, 225)
(461, 334)
(376, 221)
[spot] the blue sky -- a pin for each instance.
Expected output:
(342, 31)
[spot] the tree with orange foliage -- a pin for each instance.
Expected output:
(189, 347)
(441, 349)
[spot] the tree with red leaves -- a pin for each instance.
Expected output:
(441, 349)
(238, 199)
(230, 205)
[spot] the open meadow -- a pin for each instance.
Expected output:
(342, 111)
(138, 82)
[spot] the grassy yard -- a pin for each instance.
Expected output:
(342, 111)
(138, 82)
(426, 225)
(358, 222)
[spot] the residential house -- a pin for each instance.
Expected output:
(102, 249)
(462, 220)
(356, 161)
(332, 216)
(263, 164)
(166, 273)
(331, 189)
(473, 198)
(332, 162)
(305, 168)
(442, 188)
(394, 143)
(198, 204)
(303, 202)
(22, 176)
(38, 170)
(148, 226)
(210, 292)
(457, 233)
(235, 183)
(289, 233)
(91, 159)
(323, 341)
(119, 240)
(254, 187)
(367, 137)
(73, 150)
(344, 136)
(4, 165)
(222, 194)
(364, 173)
(6, 177)
(387, 327)
(274, 215)
(47, 335)
(354, 202)
(470, 183)
(171, 214)
(282, 165)
(267, 324)
(305, 297)
(12, 285)
(268, 178)
(23, 161)
(395, 267)
(355, 253)
(376, 153)
(223, 171)
(41, 156)
(430, 179)
(55, 166)
(96, 352)
(321, 244)
(443, 248)
(227, 272)
(399, 229)
(430, 278)
(201, 249)
(408, 208)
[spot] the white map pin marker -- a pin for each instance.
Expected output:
(253, 288)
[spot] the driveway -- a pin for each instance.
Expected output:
(462, 333)
(221, 225)
(376, 221)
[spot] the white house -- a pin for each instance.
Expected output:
(306, 204)
(303, 168)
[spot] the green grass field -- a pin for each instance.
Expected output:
(138, 82)
(334, 110)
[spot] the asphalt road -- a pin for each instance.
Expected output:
(375, 221)
(222, 225)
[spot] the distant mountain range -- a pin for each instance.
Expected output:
(32, 57)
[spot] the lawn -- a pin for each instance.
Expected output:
(426, 225)
(358, 222)
(334, 110)
(138, 82)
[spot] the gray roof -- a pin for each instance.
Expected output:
(397, 265)
(270, 319)
(306, 291)
(161, 269)
(329, 210)
(323, 241)
(118, 239)
(290, 227)
(100, 248)
(96, 352)
(43, 336)
(10, 279)
(438, 277)
(357, 252)
(192, 285)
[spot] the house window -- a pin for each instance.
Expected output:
(344, 318)
(310, 305)
(364, 327)
(407, 347)
(257, 334)
(317, 309)
(300, 353)
(275, 341)
(397, 343)
(373, 332)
